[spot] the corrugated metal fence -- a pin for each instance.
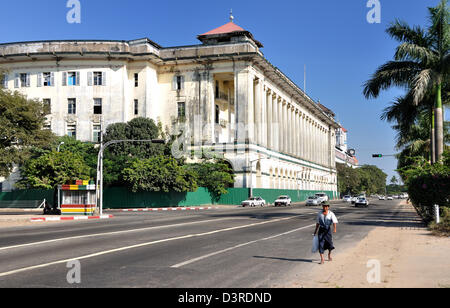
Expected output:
(122, 198)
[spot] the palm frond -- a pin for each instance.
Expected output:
(440, 29)
(402, 32)
(423, 83)
(413, 52)
(393, 73)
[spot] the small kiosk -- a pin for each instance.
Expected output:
(77, 198)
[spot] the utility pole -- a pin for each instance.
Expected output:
(99, 200)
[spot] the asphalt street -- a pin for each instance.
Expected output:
(220, 248)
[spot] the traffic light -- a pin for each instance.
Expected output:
(377, 155)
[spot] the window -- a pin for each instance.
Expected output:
(24, 80)
(72, 131)
(72, 106)
(136, 107)
(47, 79)
(178, 83)
(4, 81)
(217, 90)
(97, 106)
(136, 80)
(181, 111)
(71, 79)
(98, 79)
(47, 105)
(217, 117)
(97, 130)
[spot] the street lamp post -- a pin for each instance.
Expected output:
(103, 147)
(59, 146)
(251, 174)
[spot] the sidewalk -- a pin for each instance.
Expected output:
(408, 255)
(24, 217)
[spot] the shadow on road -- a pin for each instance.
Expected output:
(401, 219)
(253, 215)
(287, 259)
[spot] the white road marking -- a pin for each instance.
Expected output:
(237, 246)
(111, 233)
(141, 245)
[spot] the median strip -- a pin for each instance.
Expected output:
(169, 209)
(69, 218)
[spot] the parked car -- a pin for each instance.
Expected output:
(347, 199)
(322, 196)
(313, 201)
(382, 198)
(283, 201)
(390, 198)
(362, 202)
(254, 201)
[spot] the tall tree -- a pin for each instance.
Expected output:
(421, 65)
(21, 129)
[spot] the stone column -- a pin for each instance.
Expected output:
(289, 130)
(302, 135)
(296, 133)
(262, 95)
(269, 118)
(275, 123)
(280, 124)
(286, 127)
(257, 111)
(308, 138)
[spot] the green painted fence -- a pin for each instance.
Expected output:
(270, 195)
(122, 198)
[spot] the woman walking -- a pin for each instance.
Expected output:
(326, 225)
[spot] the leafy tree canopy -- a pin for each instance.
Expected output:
(52, 169)
(21, 128)
(159, 173)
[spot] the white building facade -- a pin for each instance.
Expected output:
(232, 101)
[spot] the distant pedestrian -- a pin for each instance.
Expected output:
(326, 226)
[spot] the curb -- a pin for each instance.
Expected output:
(69, 218)
(170, 209)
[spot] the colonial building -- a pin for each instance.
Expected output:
(233, 101)
(344, 155)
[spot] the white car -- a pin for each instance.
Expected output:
(362, 202)
(313, 201)
(283, 201)
(254, 201)
(322, 196)
(354, 199)
(347, 199)
(382, 198)
(390, 198)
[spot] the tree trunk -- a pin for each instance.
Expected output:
(439, 124)
(432, 138)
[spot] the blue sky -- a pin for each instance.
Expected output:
(333, 38)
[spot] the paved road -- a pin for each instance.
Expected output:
(221, 248)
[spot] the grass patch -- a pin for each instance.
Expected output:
(443, 228)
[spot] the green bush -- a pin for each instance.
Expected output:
(428, 184)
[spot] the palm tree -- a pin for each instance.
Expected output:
(421, 65)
